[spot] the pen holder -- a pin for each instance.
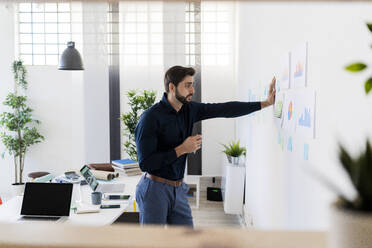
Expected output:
(96, 198)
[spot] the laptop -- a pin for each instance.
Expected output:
(46, 201)
(100, 187)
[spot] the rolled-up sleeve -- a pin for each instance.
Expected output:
(205, 111)
(149, 157)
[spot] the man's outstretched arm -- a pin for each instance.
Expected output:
(203, 111)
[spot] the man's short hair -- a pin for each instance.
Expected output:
(176, 74)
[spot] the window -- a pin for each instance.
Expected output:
(141, 33)
(113, 43)
(216, 33)
(192, 33)
(44, 30)
(135, 31)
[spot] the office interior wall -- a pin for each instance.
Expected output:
(57, 98)
(280, 193)
(7, 56)
(218, 85)
(218, 79)
(96, 83)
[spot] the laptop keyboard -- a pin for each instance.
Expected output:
(30, 218)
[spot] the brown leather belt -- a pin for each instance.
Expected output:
(163, 180)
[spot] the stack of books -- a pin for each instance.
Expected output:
(128, 166)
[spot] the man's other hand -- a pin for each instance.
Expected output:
(191, 144)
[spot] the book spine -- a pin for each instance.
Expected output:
(124, 165)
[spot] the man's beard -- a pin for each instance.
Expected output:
(181, 98)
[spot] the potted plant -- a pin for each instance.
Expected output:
(234, 151)
(351, 220)
(138, 102)
(19, 132)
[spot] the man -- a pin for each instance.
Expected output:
(163, 138)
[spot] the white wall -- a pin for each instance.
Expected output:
(280, 193)
(7, 56)
(57, 99)
(218, 85)
(96, 83)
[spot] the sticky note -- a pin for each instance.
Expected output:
(282, 143)
(289, 145)
(306, 151)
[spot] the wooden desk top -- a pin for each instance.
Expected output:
(61, 235)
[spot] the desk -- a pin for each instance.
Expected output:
(129, 236)
(10, 210)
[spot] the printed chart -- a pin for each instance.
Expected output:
(299, 66)
(289, 110)
(305, 118)
(282, 80)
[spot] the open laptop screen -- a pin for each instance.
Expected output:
(47, 199)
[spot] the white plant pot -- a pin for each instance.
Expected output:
(18, 189)
(349, 228)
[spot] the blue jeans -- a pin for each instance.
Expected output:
(162, 204)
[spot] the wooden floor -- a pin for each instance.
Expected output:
(211, 214)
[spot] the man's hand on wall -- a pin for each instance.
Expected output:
(271, 96)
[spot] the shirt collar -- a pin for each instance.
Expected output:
(164, 101)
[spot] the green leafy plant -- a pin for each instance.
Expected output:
(359, 169)
(138, 103)
(18, 132)
(234, 149)
(360, 66)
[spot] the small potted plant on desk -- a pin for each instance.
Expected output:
(234, 151)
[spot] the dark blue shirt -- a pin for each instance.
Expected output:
(161, 129)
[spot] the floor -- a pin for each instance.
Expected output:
(211, 214)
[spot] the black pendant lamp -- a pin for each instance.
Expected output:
(70, 58)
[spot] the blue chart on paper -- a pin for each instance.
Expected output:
(305, 119)
(306, 151)
(289, 145)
